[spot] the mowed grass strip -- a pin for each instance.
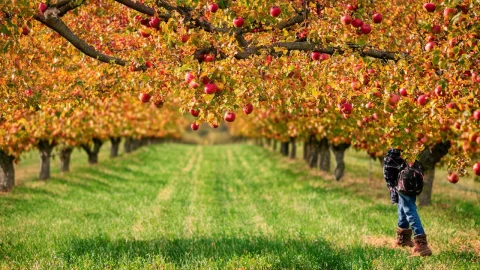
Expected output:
(218, 207)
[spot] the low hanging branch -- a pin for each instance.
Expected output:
(52, 19)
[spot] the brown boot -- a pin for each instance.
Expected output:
(421, 246)
(404, 238)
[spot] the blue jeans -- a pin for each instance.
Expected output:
(407, 214)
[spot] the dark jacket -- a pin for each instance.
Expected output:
(393, 164)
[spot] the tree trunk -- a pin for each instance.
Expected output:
(45, 149)
(128, 145)
(339, 152)
(115, 145)
(284, 148)
(274, 145)
(313, 153)
(65, 154)
(93, 152)
(7, 172)
(305, 150)
(293, 152)
(429, 158)
(269, 142)
(324, 155)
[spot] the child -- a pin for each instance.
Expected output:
(407, 209)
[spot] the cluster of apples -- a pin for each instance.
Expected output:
(363, 28)
(153, 22)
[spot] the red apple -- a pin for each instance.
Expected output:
(213, 7)
(194, 112)
(476, 115)
(436, 29)
(429, 46)
(185, 38)
(145, 22)
(453, 177)
(29, 92)
(210, 88)
(346, 108)
(369, 105)
(422, 100)
(439, 91)
(25, 31)
(229, 116)
(154, 22)
(355, 85)
(193, 84)
(159, 103)
(214, 125)
(377, 18)
(394, 99)
(357, 23)
(144, 97)
(448, 13)
(366, 29)
(452, 106)
(316, 56)
(148, 64)
(275, 11)
(248, 109)
(209, 58)
(238, 22)
(42, 7)
(189, 77)
(352, 7)
(194, 126)
(324, 56)
(476, 168)
(430, 7)
(346, 19)
(403, 92)
(205, 80)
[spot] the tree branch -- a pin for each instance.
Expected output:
(67, 5)
(136, 5)
(57, 25)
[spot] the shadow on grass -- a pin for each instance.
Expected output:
(192, 253)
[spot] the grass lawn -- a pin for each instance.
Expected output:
(175, 206)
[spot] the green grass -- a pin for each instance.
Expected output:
(220, 207)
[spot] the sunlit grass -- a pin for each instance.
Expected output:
(216, 207)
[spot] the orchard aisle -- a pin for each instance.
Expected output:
(180, 206)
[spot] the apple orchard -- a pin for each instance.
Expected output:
(330, 74)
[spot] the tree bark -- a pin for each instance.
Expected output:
(7, 172)
(45, 148)
(115, 145)
(128, 145)
(284, 148)
(305, 150)
(274, 145)
(429, 158)
(339, 152)
(65, 154)
(92, 152)
(313, 153)
(269, 142)
(293, 152)
(324, 155)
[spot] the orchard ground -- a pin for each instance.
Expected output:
(227, 206)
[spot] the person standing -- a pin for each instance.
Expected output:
(408, 218)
